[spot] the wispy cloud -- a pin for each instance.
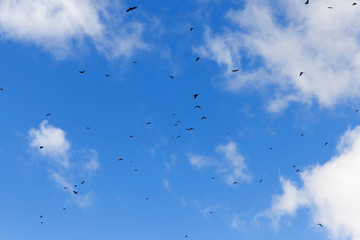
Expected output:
(232, 165)
(331, 191)
(59, 26)
(57, 151)
(271, 43)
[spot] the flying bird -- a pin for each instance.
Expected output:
(64, 209)
(236, 182)
(354, 4)
(307, 2)
(270, 148)
(191, 29)
(178, 136)
(212, 177)
(197, 59)
(319, 224)
(107, 75)
(40, 216)
(235, 70)
(301, 73)
(87, 128)
(41, 147)
(81, 71)
(120, 159)
(210, 212)
(172, 77)
(75, 185)
(297, 170)
(134, 61)
(65, 188)
(195, 95)
(75, 192)
(48, 114)
(294, 166)
(203, 118)
(186, 235)
(190, 129)
(260, 180)
(146, 198)
(82, 182)
(131, 8)
(131, 136)
(1, 89)
(301, 134)
(330, 8)
(326, 143)
(135, 170)
(197, 106)
(148, 123)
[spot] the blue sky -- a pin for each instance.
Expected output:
(266, 104)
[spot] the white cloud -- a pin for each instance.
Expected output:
(61, 169)
(59, 25)
(234, 166)
(331, 191)
(273, 42)
(56, 146)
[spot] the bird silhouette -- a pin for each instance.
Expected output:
(107, 75)
(197, 59)
(330, 8)
(211, 212)
(191, 29)
(297, 170)
(135, 170)
(75, 185)
(64, 209)
(212, 177)
(186, 236)
(190, 129)
(88, 128)
(82, 182)
(48, 114)
(81, 71)
(319, 224)
(294, 166)
(65, 188)
(195, 95)
(326, 143)
(134, 61)
(120, 159)
(236, 183)
(301, 134)
(301, 73)
(40, 216)
(197, 106)
(75, 192)
(146, 198)
(131, 136)
(307, 2)
(354, 4)
(178, 136)
(1, 89)
(203, 118)
(148, 123)
(270, 148)
(260, 180)
(235, 70)
(41, 147)
(131, 8)
(172, 77)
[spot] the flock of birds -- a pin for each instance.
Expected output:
(195, 96)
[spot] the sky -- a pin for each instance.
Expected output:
(106, 154)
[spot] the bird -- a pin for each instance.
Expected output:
(1, 89)
(82, 182)
(174, 114)
(236, 183)
(307, 2)
(146, 198)
(134, 61)
(197, 59)
(330, 8)
(178, 136)
(203, 118)
(357, 110)
(48, 114)
(148, 123)
(41, 147)
(135, 170)
(210, 212)
(64, 209)
(191, 29)
(260, 180)
(326, 143)
(131, 136)
(107, 75)
(175, 124)
(42, 222)
(75, 192)
(65, 188)
(294, 166)
(81, 71)
(195, 95)
(354, 4)
(301, 134)
(270, 148)
(319, 224)
(75, 185)
(130, 9)
(301, 73)
(186, 236)
(131, 161)
(235, 70)
(120, 159)
(212, 177)
(172, 77)
(197, 106)
(40, 216)
(297, 170)
(190, 129)
(87, 128)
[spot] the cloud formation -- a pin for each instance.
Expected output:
(232, 165)
(57, 151)
(271, 43)
(59, 25)
(331, 191)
